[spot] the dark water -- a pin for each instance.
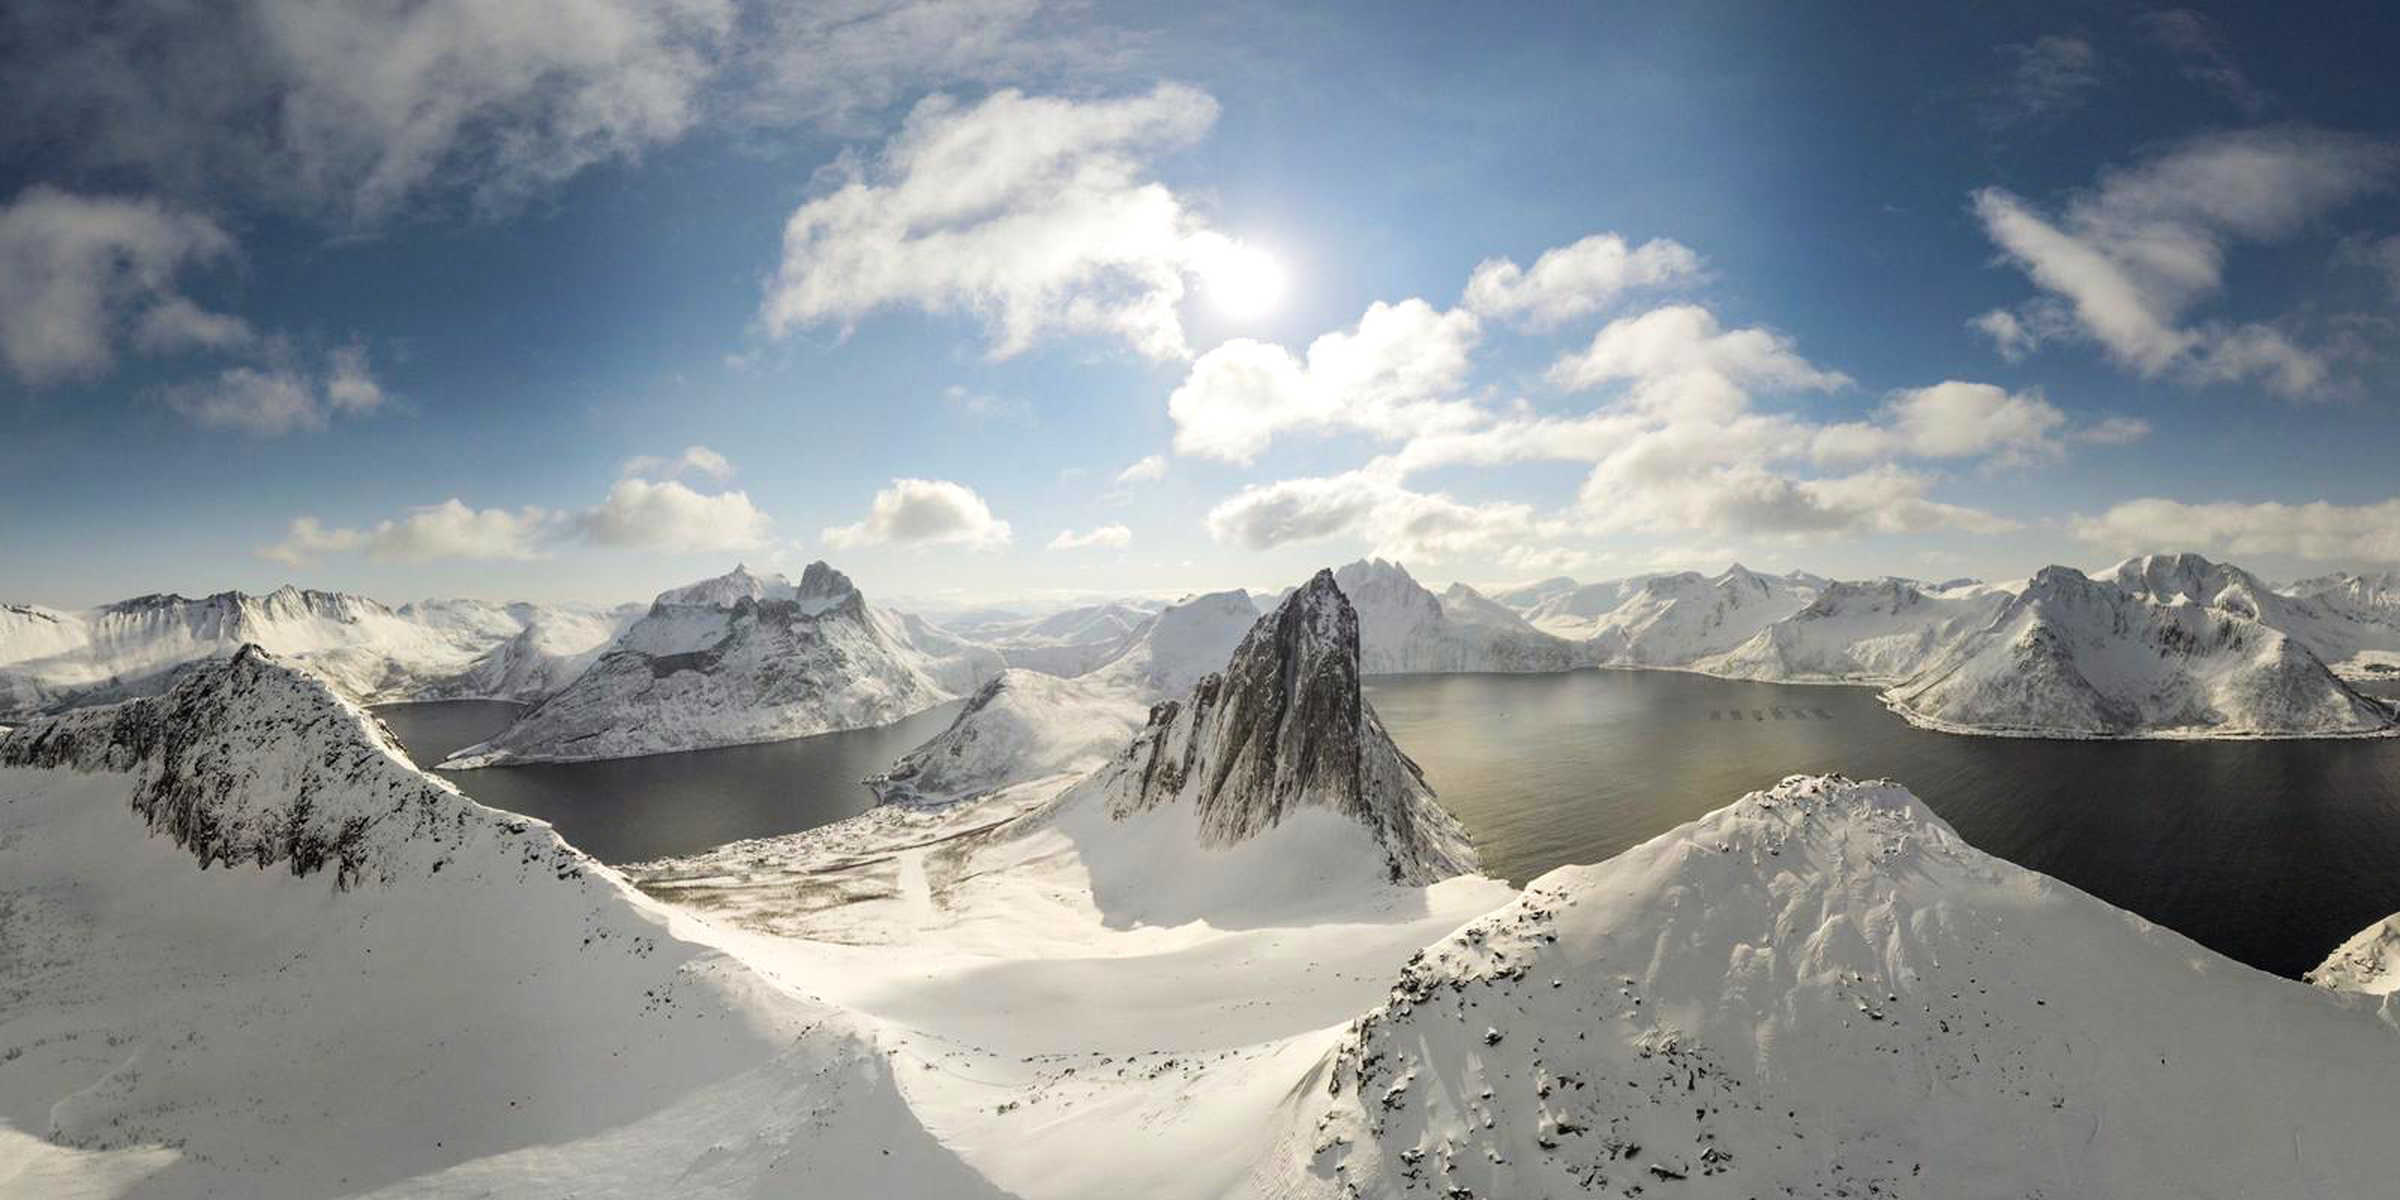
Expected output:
(2270, 852)
(630, 809)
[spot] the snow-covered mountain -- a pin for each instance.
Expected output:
(1282, 729)
(52, 660)
(387, 989)
(1878, 632)
(2136, 653)
(1404, 628)
(1675, 620)
(549, 647)
(1821, 991)
(1028, 724)
(1065, 643)
(1523, 596)
(743, 658)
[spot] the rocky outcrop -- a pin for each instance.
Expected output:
(1283, 727)
(252, 761)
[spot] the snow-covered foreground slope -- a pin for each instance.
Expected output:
(1821, 991)
(1405, 629)
(246, 950)
(2369, 962)
(743, 658)
(1027, 724)
(51, 660)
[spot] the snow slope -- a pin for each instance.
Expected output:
(2072, 656)
(1065, 643)
(1675, 620)
(52, 660)
(1878, 632)
(1404, 628)
(1821, 991)
(249, 951)
(1026, 724)
(2369, 962)
(741, 659)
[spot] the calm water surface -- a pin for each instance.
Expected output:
(2270, 852)
(630, 809)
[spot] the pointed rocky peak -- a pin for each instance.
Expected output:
(1739, 579)
(1284, 726)
(823, 589)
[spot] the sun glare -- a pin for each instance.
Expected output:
(1244, 282)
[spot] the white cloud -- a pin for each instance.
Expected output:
(697, 459)
(358, 111)
(928, 512)
(1148, 469)
(637, 514)
(350, 386)
(1033, 214)
(640, 514)
(175, 323)
(1372, 505)
(74, 271)
(447, 530)
(2130, 259)
(1951, 419)
(2048, 77)
(1392, 375)
(1115, 537)
(1572, 281)
(1679, 359)
(2319, 530)
(278, 396)
(2010, 336)
(2113, 431)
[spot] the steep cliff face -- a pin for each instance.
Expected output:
(1283, 728)
(1821, 990)
(742, 658)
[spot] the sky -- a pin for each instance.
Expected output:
(582, 299)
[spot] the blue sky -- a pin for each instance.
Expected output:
(1862, 289)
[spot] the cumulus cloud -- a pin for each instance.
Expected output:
(1035, 215)
(1678, 358)
(698, 460)
(2319, 530)
(1114, 537)
(1372, 504)
(450, 529)
(641, 514)
(1567, 282)
(637, 514)
(356, 111)
(1954, 419)
(279, 396)
(1392, 375)
(2131, 258)
(1148, 469)
(2011, 339)
(77, 271)
(925, 512)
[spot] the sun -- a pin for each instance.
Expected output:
(1243, 282)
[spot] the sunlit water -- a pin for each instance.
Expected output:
(630, 809)
(2271, 852)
